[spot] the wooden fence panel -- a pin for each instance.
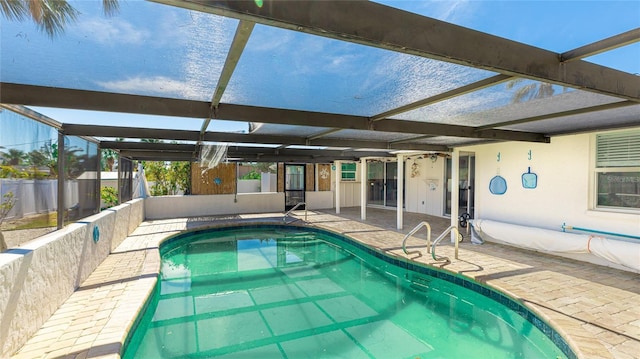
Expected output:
(218, 180)
(280, 177)
(324, 177)
(310, 180)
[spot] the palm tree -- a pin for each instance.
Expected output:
(14, 157)
(109, 157)
(51, 16)
(535, 90)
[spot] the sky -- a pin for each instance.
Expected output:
(156, 50)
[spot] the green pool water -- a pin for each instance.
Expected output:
(274, 293)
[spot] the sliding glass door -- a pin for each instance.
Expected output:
(382, 184)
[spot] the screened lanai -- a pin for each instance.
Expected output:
(322, 81)
(315, 82)
(395, 75)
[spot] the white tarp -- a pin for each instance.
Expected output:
(616, 251)
(140, 184)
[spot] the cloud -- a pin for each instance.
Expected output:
(454, 11)
(268, 39)
(112, 31)
(151, 86)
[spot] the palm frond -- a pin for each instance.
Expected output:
(36, 9)
(525, 93)
(51, 16)
(14, 10)
(55, 16)
(512, 83)
(110, 7)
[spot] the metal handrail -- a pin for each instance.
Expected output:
(284, 218)
(446, 231)
(413, 231)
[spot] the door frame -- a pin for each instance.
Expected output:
(288, 204)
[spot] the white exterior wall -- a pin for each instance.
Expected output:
(40, 275)
(269, 182)
(248, 186)
(349, 190)
(563, 192)
(319, 200)
(425, 192)
(208, 205)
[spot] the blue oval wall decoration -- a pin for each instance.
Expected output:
(217, 180)
(96, 234)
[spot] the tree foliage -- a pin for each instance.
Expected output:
(8, 201)
(108, 158)
(525, 92)
(51, 16)
(168, 177)
(109, 196)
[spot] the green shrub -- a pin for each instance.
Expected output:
(109, 195)
(253, 175)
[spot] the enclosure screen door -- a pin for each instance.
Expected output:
(293, 186)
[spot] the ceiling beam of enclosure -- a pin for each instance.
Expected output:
(102, 101)
(478, 85)
(603, 45)
(226, 137)
(148, 151)
(243, 32)
(381, 26)
(608, 106)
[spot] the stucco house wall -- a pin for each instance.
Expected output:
(564, 191)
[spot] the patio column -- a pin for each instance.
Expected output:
(363, 189)
(400, 194)
(455, 189)
(61, 181)
(338, 165)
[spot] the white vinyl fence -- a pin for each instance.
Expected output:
(37, 196)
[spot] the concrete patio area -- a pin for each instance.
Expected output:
(594, 308)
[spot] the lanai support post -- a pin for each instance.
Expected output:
(338, 178)
(400, 193)
(455, 190)
(61, 180)
(363, 189)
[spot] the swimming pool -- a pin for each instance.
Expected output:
(283, 292)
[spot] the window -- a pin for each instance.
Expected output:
(348, 171)
(617, 170)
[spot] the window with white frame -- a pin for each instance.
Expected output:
(617, 170)
(349, 171)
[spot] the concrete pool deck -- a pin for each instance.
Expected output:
(595, 308)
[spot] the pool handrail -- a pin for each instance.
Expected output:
(412, 232)
(284, 218)
(440, 237)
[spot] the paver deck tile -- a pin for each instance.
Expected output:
(594, 308)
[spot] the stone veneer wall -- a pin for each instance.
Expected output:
(37, 277)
